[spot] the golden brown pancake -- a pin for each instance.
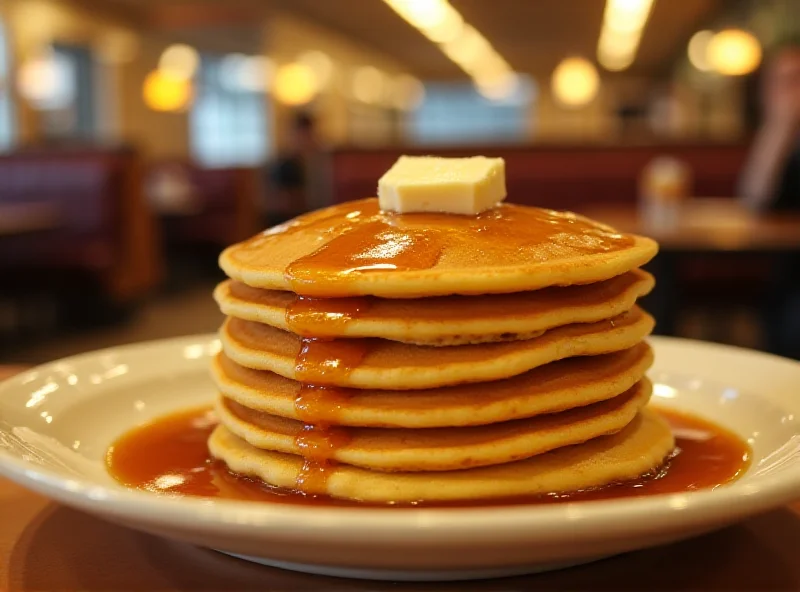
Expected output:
(389, 365)
(638, 449)
(554, 387)
(435, 449)
(354, 249)
(445, 320)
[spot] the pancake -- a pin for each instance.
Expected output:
(641, 448)
(445, 320)
(435, 449)
(354, 249)
(554, 387)
(389, 365)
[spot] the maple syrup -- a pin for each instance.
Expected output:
(170, 456)
(357, 238)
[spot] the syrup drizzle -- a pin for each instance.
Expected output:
(373, 246)
(320, 404)
(321, 363)
(357, 238)
(315, 317)
(329, 361)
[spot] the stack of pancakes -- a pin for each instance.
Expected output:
(431, 357)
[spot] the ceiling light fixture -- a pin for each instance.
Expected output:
(295, 84)
(166, 92)
(734, 52)
(462, 43)
(623, 23)
(575, 82)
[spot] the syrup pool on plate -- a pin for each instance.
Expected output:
(170, 456)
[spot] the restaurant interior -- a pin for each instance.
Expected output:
(139, 138)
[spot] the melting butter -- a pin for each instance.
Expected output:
(447, 185)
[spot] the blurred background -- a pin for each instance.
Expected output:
(140, 137)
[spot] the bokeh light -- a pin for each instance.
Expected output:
(179, 61)
(621, 32)
(243, 73)
(47, 82)
(449, 27)
(369, 84)
(166, 92)
(734, 52)
(698, 50)
(575, 82)
(320, 63)
(407, 93)
(295, 84)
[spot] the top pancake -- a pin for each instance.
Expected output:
(354, 249)
(444, 320)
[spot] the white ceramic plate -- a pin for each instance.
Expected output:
(57, 421)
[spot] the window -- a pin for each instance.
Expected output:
(455, 113)
(228, 124)
(6, 116)
(81, 112)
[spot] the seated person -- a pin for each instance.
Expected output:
(297, 179)
(771, 182)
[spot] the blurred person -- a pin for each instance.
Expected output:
(771, 182)
(298, 179)
(771, 178)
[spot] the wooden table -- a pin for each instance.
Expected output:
(25, 218)
(46, 546)
(709, 225)
(703, 227)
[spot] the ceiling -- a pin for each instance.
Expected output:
(533, 35)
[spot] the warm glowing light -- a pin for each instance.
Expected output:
(509, 90)
(407, 93)
(617, 50)
(421, 14)
(623, 23)
(575, 82)
(165, 92)
(260, 70)
(369, 84)
(467, 48)
(734, 52)
(626, 15)
(47, 82)
(448, 28)
(320, 63)
(500, 89)
(239, 72)
(698, 50)
(179, 61)
(295, 84)
(459, 41)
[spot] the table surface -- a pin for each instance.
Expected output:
(46, 546)
(705, 224)
(24, 218)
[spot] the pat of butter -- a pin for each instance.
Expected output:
(449, 185)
